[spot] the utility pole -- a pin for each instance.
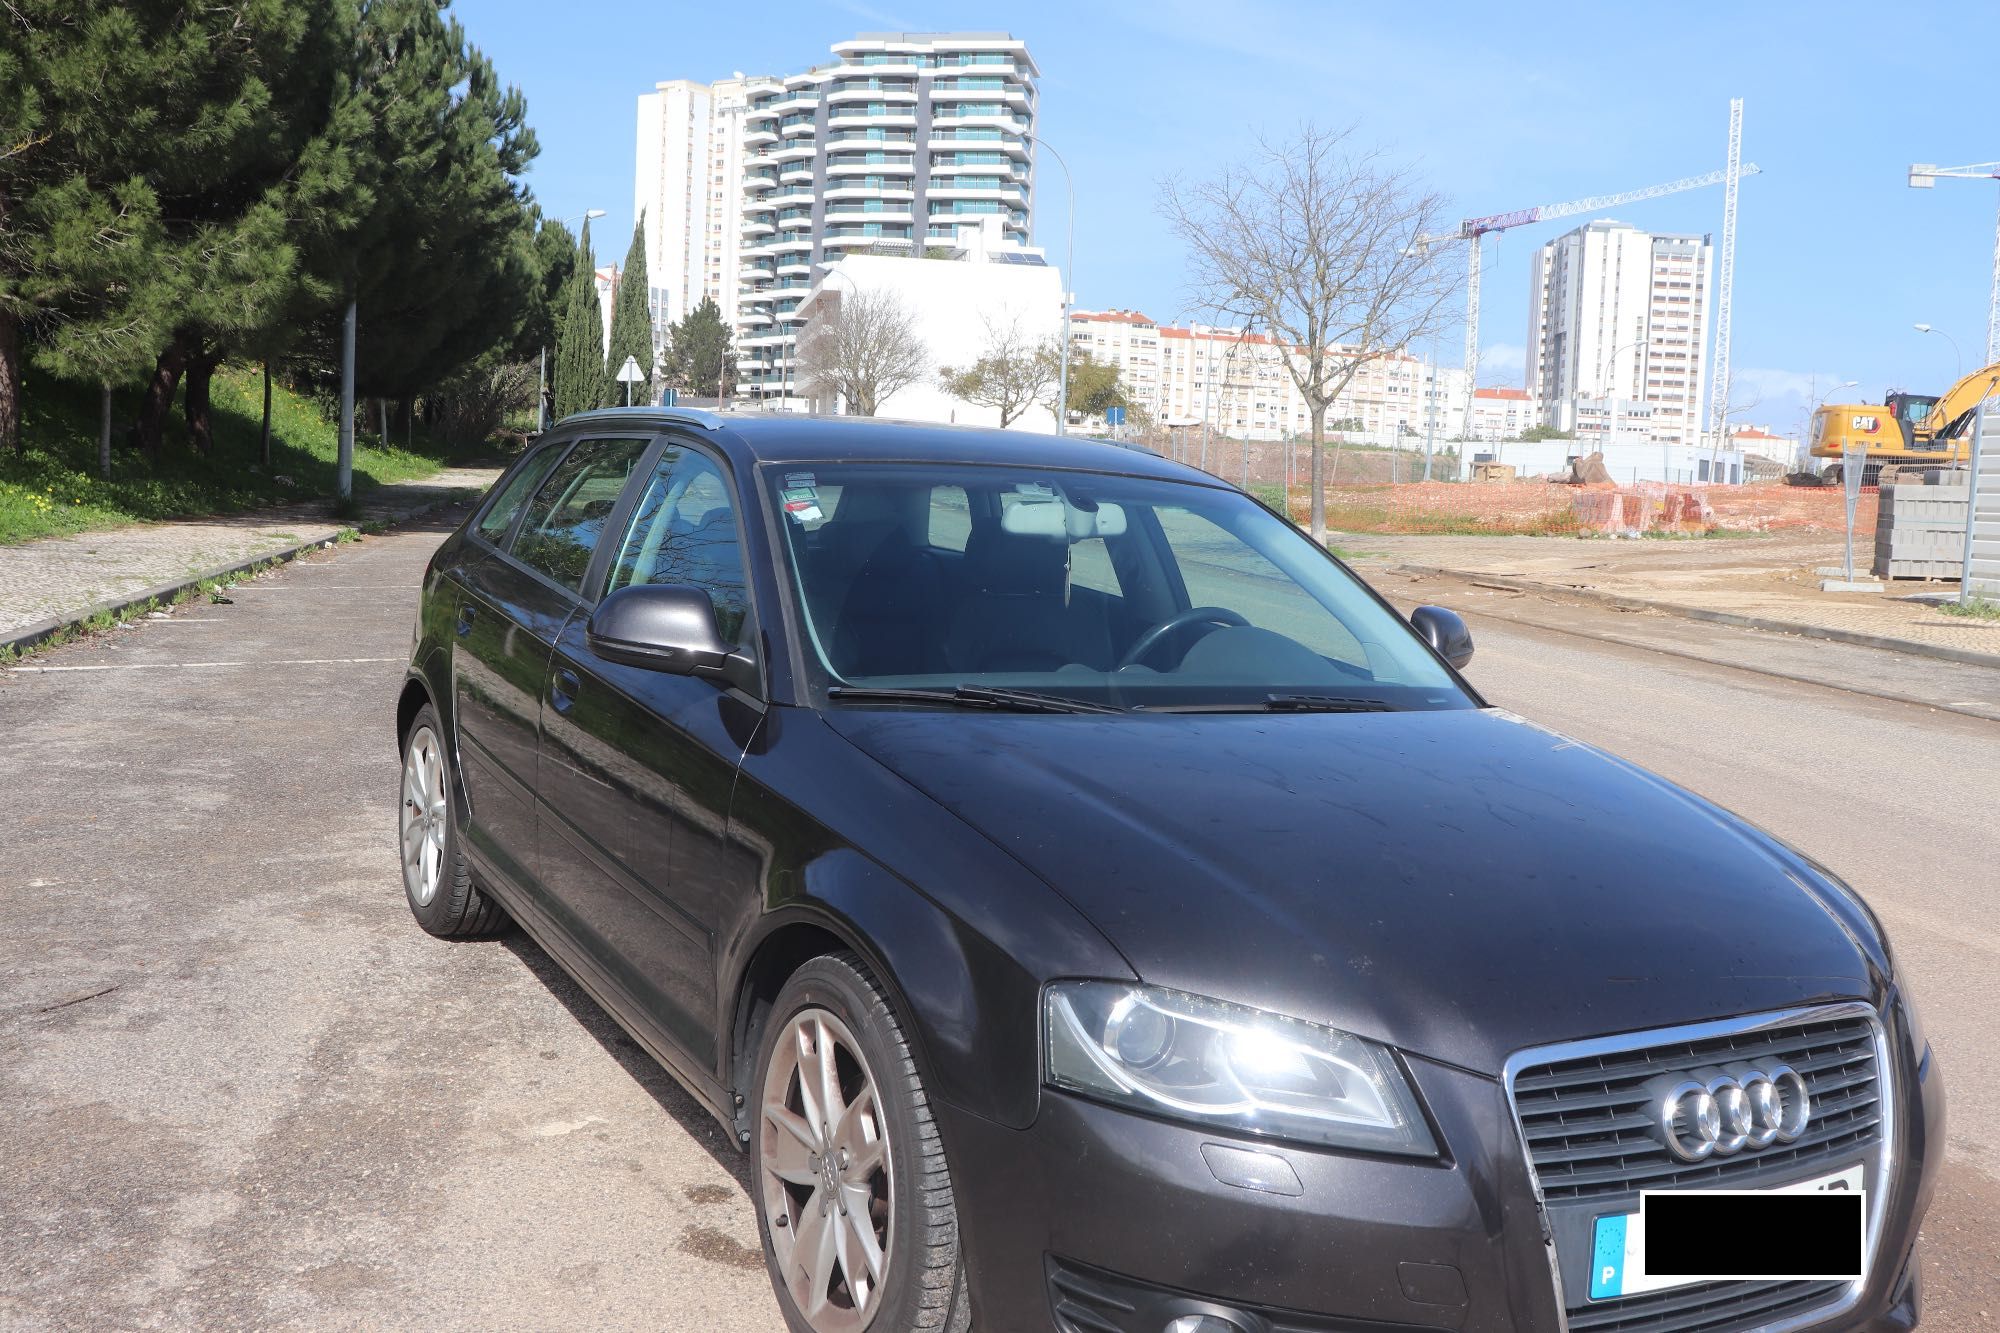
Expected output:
(344, 468)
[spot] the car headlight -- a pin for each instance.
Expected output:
(1230, 1066)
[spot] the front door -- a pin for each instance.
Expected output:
(638, 766)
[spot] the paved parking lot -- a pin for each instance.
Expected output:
(242, 1090)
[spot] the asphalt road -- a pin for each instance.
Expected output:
(242, 1090)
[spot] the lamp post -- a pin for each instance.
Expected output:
(1610, 390)
(1956, 355)
(1069, 279)
(1804, 458)
(542, 372)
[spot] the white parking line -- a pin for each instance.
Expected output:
(188, 666)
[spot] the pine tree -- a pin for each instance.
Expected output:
(579, 378)
(631, 325)
(699, 352)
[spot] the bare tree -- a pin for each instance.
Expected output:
(864, 348)
(1014, 373)
(1314, 241)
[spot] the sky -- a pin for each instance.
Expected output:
(1500, 108)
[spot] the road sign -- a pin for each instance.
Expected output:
(629, 373)
(1114, 416)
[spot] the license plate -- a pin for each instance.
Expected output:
(1617, 1266)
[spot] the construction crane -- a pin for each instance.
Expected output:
(1924, 176)
(1473, 230)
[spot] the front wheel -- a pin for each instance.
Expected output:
(853, 1194)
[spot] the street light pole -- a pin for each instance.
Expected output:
(344, 464)
(1069, 280)
(1956, 355)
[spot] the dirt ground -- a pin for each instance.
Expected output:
(1532, 507)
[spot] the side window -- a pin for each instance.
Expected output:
(569, 512)
(684, 531)
(950, 518)
(493, 524)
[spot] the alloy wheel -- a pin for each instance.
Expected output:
(424, 818)
(825, 1173)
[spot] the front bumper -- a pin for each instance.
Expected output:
(1124, 1217)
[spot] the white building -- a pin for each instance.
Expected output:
(989, 284)
(1501, 413)
(688, 189)
(1238, 383)
(751, 184)
(1616, 313)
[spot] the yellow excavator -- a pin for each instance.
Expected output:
(1905, 430)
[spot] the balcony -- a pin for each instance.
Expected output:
(792, 150)
(870, 188)
(760, 159)
(839, 93)
(793, 102)
(801, 221)
(900, 166)
(757, 133)
(790, 196)
(791, 270)
(848, 117)
(838, 216)
(864, 139)
(796, 173)
(759, 180)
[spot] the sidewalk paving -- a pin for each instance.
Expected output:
(64, 579)
(1768, 579)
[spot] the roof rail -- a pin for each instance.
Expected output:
(692, 416)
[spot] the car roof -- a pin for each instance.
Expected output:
(798, 438)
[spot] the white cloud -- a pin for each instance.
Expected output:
(1506, 359)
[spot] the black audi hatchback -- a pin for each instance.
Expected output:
(1092, 907)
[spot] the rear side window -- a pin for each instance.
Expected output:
(567, 516)
(494, 523)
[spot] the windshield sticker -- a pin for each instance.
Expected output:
(801, 497)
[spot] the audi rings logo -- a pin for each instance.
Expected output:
(1717, 1112)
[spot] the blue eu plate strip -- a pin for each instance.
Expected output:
(1607, 1267)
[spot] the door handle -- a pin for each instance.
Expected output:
(467, 613)
(562, 693)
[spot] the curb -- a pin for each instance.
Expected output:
(1965, 656)
(23, 639)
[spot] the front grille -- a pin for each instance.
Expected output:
(1710, 1307)
(1584, 1121)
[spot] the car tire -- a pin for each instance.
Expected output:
(886, 1187)
(437, 882)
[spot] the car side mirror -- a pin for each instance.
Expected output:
(669, 627)
(1445, 631)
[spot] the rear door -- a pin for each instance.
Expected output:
(496, 681)
(516, 600)
(638, 766)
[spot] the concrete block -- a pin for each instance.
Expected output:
(1858, 585)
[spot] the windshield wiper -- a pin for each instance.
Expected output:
(973, 696)
(1286, 703)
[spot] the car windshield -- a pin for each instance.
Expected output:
(1007, 586)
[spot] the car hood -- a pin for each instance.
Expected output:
(1461, 884)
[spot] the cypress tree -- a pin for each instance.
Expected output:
(579, 378)
(631, 325)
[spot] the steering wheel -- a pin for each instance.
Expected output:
(1194, 615)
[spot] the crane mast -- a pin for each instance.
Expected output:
(1725, 298)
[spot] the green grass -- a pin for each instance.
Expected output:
(52, 488)
(1975, 608)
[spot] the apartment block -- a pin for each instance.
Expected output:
(687, 186)
(1237, 382)
(1618, 321)
(752, 184)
